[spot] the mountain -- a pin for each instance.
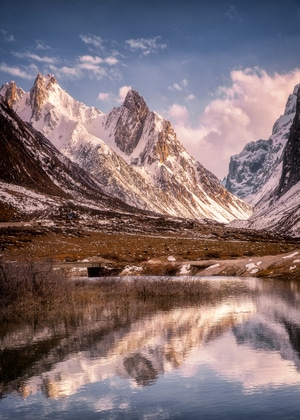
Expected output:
(35, 178)
(133, 152)
(267, 174)
(258, 167)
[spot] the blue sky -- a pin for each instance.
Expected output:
(220, 71)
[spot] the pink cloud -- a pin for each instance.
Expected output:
(123, 92)
(244, 111)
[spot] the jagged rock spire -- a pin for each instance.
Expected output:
(133, 114)
(39, 93)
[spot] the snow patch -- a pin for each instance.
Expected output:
(213, 266)
(291, 255)
(185, 269)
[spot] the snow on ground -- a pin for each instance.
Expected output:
(291, 255)
(24, 199)
(185, 269)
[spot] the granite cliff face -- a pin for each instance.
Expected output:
(133, 153)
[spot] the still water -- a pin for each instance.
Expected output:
(237, 357)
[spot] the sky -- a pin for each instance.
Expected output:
(221, 71)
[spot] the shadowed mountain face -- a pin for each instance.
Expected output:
(291, 157)
(30, 164)
(133, 153)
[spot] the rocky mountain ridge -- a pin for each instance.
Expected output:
(36, 179)
(266, 173)
(258, 166)
(133, 152)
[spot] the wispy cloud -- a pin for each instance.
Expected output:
(145, 46)
(7, 37)
(92, 41)
(232, 13)
(178, 86)
(24, 72)
(94, 67)
(36, 57)
(88, 59)
(41, 45)
(109, 97)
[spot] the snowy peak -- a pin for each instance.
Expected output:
(259, 163)
(39, 93)
(275, 183)
(131, 117)
(36, 179)
(133, 153)
(12, 93)
(135, 103)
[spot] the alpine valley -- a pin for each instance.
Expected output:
(132, 152)
(77, 183)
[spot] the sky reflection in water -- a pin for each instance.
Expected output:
(227, 358)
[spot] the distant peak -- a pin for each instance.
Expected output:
(39, 93)
(11, 92)
(45, 81)
(134, 100)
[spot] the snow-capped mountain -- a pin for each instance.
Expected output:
(35, 178)
(133, 152)
(267, 174)
(257, 168)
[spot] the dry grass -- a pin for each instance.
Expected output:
(135, 248)
(29, 288)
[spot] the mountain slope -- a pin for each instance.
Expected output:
(276, 189)
(257, 168)
(35, 177)
(133, 152)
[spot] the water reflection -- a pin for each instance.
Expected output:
(252, 339)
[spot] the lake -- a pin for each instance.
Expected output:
(231, 357)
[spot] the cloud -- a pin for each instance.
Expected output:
(94, 67)
(145, 46)
(98, 60)
(41, 45)
(242, 112)
(104, 96)
(25, 73)
(108, 97)
(111, 61)
(175, 86)
(35, 57)
(179, 114)
(93, 41)
(190, 97)
(7, 37)
(123, 92)
(232, 13)
(70, 72)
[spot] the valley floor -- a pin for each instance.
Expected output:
(202, 249)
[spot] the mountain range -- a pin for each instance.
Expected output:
(267, 173)
(36, 179)
(130, 154)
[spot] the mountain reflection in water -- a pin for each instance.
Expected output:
(252, 338)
